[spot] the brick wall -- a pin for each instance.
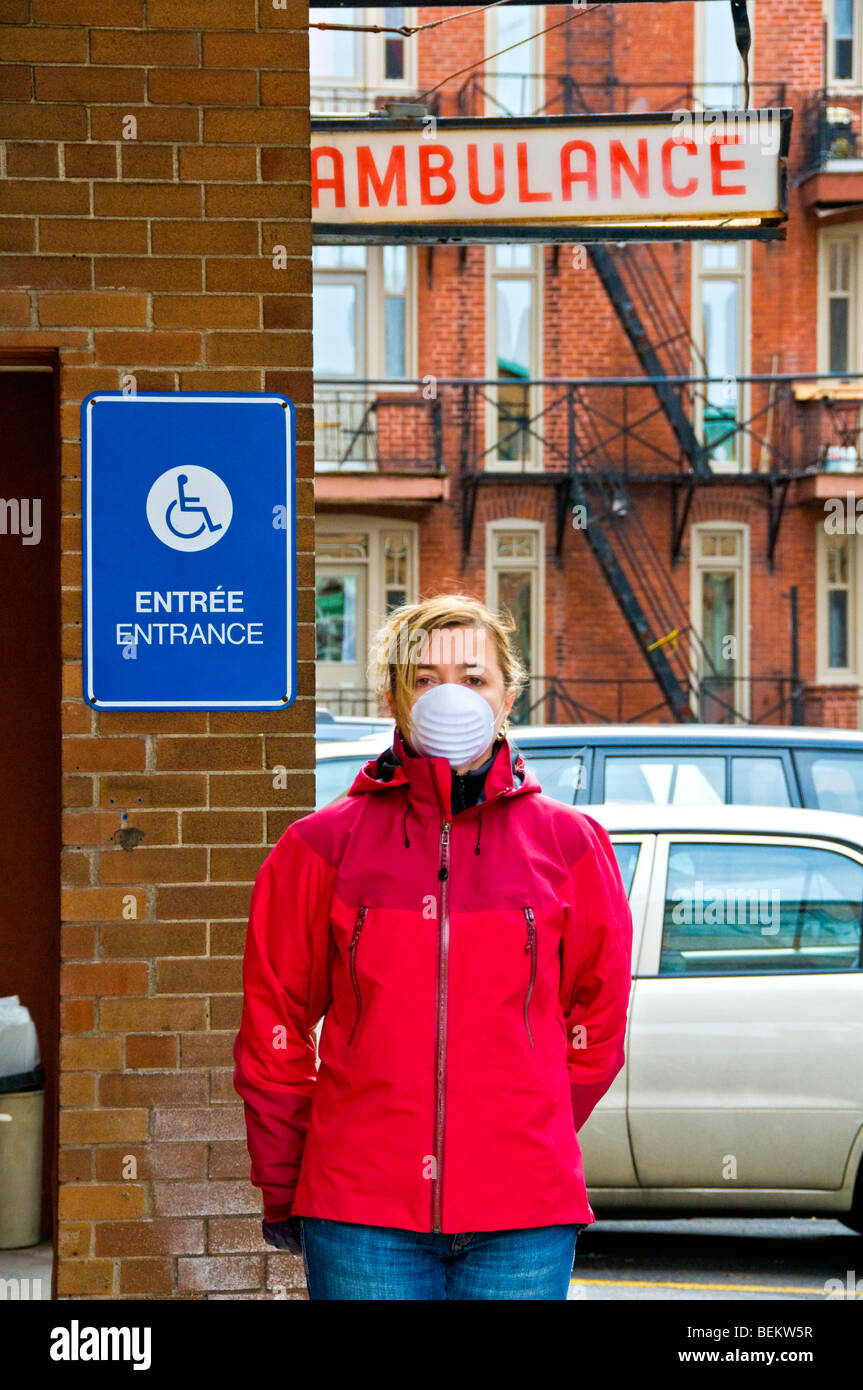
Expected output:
(152, 256)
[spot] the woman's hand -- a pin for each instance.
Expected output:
(284, 1235)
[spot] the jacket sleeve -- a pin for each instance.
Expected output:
(596, 972)
(286, 990)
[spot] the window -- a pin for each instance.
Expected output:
(560, 774)
(759, 781)
(838, 610)
(719, 330)
(759, 908)
(349, 70)
(363, 299)
(663, 780)
(839, 308)
(515, 580)
(719, 606)
(718, 61)
(363, 569)
(514, 84)
(831, 781)
(513, 301)
(843, 20)
(626, 854)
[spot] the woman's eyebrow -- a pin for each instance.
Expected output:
(466, 665)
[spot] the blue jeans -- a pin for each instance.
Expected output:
(346, 1261)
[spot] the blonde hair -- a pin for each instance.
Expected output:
(392, 663)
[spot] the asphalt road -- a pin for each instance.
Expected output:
(711, 1259)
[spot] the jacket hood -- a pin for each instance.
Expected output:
(429, 780)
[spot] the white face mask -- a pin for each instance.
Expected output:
(454, 722)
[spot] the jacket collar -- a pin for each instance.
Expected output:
(429, 780)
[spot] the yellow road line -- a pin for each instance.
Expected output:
(730, 1288)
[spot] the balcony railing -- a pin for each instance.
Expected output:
(616, 426)
(769, 699)
(562, 94)
(831, 123)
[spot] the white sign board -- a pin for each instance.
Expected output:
(474, 179)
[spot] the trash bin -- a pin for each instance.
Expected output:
(22, 1107)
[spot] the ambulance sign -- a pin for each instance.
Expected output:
(189, 553)
(556, 178)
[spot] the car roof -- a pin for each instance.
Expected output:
(620, 817)
(641, 734)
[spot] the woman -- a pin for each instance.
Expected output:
(467, 941)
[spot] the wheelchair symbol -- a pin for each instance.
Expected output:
(189, 504)
(189, 507)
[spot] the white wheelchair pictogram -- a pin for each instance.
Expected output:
(189, 508)
(189, 504)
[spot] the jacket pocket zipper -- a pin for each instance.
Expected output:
(530, 946)
(355, 940)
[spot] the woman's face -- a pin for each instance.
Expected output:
(467, 656)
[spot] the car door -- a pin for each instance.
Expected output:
(747, 1017)
(604, 1138)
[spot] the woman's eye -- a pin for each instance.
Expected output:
(476, 680)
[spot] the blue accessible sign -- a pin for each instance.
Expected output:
(189, 550)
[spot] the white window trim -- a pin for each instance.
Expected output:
(328, 524)
(700, 31)
(744, 277)
(740, 566)
(493, 565)
(836, 675)
(854, 233)
(375, 346)
(372, 83)
(538, 66)
(536, 272)
(848, 86)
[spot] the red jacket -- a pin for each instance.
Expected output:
(473, 972)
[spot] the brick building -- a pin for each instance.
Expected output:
(463, 407)
(154, 155)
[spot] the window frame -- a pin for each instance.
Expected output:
(826, 237)
(842, 84)
(655, 916)
(742, 275)
(532, 463)
(537, 617)
(837, 675)
(741, 566)
(371, 82)
(537, 68)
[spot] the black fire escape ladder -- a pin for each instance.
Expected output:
(604, 506)
(608, 266)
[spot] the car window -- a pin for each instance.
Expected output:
(627, 858)
(335, 775)
(759, 780)
(831, 781)
(760, 908)
(665, 779)
(560, 774)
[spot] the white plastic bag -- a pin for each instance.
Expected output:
(19, 1045)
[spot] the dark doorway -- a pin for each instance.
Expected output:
(30, 691)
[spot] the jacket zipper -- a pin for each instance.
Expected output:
(355, 940)
(530, 946)
(440, 1066)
